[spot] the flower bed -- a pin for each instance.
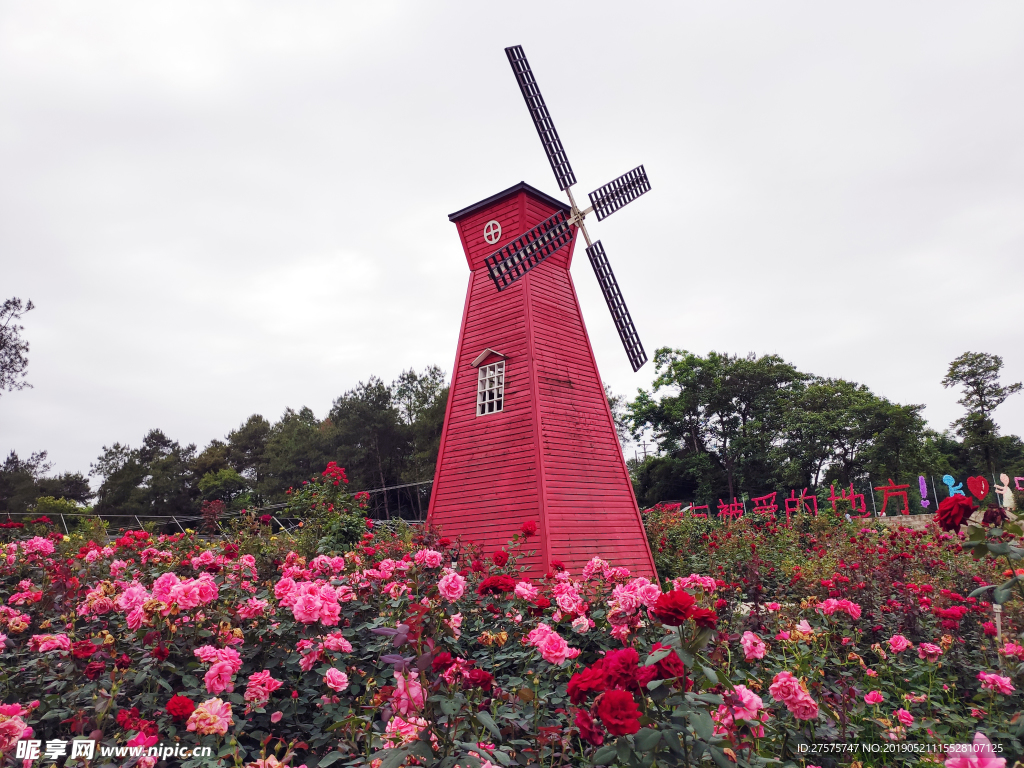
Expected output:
(270, 652)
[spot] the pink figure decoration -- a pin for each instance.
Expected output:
(765, 505)
(897, 491)
(1016, 483)
(731, 511)
(695, 507)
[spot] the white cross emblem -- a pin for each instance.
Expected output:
(492, 231)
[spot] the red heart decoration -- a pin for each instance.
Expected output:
(978, 486)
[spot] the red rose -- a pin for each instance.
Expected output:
(673, 608)
(590, 680)
(557, 565)
(441, 662)
(180, 707)
(500, 558)
(670, 666)
(622, 670)
(953, 512)
(83, 649)
(704, 617)
(618, 712)
(94, 669)
(477, 566)
(589, 730)
(529, 528)
(444, 543)
(479, 678)
(160, 652)
(123, 662)
(494, 585)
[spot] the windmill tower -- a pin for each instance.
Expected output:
(528, 435)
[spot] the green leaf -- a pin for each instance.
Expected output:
(974, 533)
(654, 684)
(710, 674)
(998, 548)
(449, 707)
(604, 756)
(1014, 528)
(647, 739)
(720, 758)
(502, 757)
(702, 724)
(330, 757)
(1000, 595)
(657, 656)
(485, 719)
(622, 749)
(395, 757)
(981, 590)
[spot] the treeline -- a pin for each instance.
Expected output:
(383, 434)
(726, 425)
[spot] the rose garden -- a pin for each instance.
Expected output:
(819, 642)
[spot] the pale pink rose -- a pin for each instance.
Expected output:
(904, 716)
(803, 707)
(44, 643)
(527, 591)
(102, 605)
(753, 647)
(218, 678)
(408, 695)
(804, 627)
(213, 716)
(428, 558)
(336, 642)
(336, 679)
(874, 697)
(552, 646)
(581, 624)
(454, 623)
(276, 716)
(11, 731)
(401, 731)
(898, 643)
(749, 704)
(451, 585)
(784, 687)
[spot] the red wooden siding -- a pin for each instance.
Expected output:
(552, 455)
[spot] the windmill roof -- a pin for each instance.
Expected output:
(522, 186)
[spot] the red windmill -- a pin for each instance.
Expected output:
(528, 435)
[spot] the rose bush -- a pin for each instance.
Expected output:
(275, 649)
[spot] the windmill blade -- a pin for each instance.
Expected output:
(612, 295)
(511, 262)
(619, 192)
(541, 117)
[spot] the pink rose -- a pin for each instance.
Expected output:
(803, 707)
(451, 585)
(898, 643)
(218, 677)
(753, 647)
(990, 681)
(904, 717)
(336, 679)
(980, 754)
(527, 591)
(929, 651)
(785, 687)
(307, 608)
(336, 642)
(408, 695)
(875, 697)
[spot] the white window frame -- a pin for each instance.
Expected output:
(490, 389)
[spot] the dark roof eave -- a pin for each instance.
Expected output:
(522, 186)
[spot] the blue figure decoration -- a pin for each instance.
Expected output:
(954, 488)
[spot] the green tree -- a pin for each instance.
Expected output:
(977, 374)
(224, 485)
(247, 450)
(156, 479)
(13, 348)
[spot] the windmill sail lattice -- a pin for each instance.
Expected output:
(513, 261)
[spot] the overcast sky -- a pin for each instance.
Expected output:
(224, 208)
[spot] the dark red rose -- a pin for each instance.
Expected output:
(589, 730)
(720, 604)
(160, 652)
(953, 512)
(477, 566)
(479, 678)
(150, 637)
(124, 662)
(590, 680)
(557, 565)
(128, 718)
(231, 551)
(704, 617)
(180, 707)
(492, 608)
(669, 667)
(673, 608)
(441, 662)
(499, 558)
(94, 669)
(542, 603)
(994, 515)
(265, 519)
(618, 712)
(495, 585)
(622, 670)
(444, 543)
(529, 528)
(83, 649)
